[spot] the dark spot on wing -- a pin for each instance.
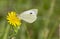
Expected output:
(30, 13)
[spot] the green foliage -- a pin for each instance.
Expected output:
(45, 27)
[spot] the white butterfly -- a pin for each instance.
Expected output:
(29, 16)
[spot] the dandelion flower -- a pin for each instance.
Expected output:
(13, 19)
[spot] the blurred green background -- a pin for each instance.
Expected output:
(45, 27)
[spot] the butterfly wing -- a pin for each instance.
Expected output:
(29, 16)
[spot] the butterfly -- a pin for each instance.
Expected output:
(29, 16)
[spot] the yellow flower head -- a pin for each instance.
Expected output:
(13, 19)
